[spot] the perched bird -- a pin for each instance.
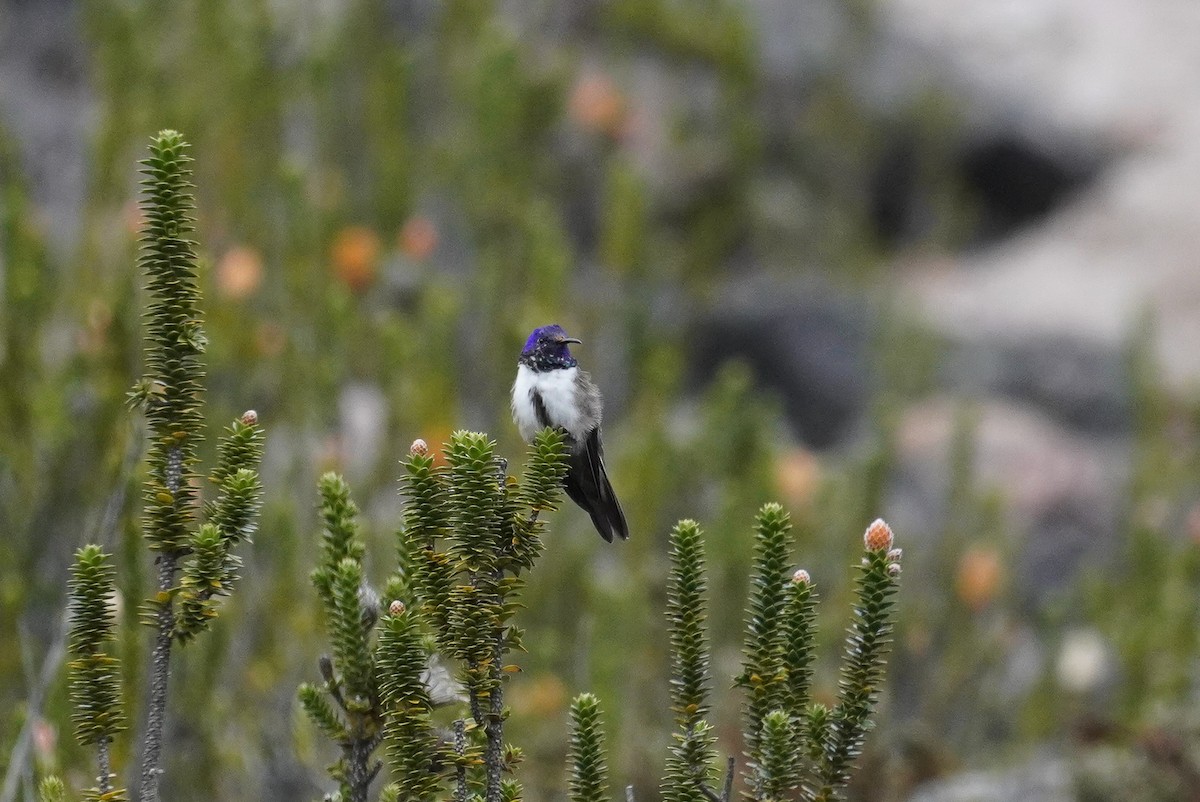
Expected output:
(551, 390)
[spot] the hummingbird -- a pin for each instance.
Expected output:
(552, 390)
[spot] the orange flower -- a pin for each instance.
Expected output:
(980, 572)
(436, 444)
(418, 238)
(269, 339)
(543, 696)
(94, 336)
(597, 105)
(1193, 524)
(796, 475)
(132, 217)
(355, 256)
(239, 273)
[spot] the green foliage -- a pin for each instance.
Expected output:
(474, 502)
(426, 522)
(350, 627)
(471, 125)
(545, 471)
(413, 752)
(51, 789)
(339, 539)
(316, 705)
(800, 639)
(586, 755)
(792, 746)
(351, 613)
(778, 772)
(863, 664)
(96, 795)
(763, 672)
(236, 476)
(817, 731)
(95, 672)
(204, 575)
(475, 605)
(211, 566)
(686, 612)
(689, 762)
(467, 531)
(171, 391)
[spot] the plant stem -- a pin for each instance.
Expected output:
(358, 775)
(494, 728)
(160, 670)
(460, 748)
(105, 778)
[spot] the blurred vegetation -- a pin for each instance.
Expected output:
(390, 196)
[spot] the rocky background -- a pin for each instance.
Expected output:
(926, 259)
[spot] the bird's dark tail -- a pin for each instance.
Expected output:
(588, 486)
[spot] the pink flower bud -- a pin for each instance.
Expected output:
(894, 555)
(419, 447)
(801, 577)
(893, 569)
(250, 418)
(396, 607)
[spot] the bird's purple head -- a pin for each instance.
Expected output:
(546, 348)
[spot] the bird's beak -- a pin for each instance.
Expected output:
(565, 340)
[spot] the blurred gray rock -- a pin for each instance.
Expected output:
(1060, 486)
(1080, 383)
(1125, 243)
(1046, 780)
(46, 107)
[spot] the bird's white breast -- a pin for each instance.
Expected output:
(557, 389)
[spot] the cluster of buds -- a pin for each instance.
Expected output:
(879, 537)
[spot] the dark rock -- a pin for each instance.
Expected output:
(1012, 182)
(807, 345)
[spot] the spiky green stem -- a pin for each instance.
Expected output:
(412, 746)
(777, 773)
(351, 612)
(95, 674)
(52, 789)
(586, 757)
(689, 765)
(800, 612)
(862, 670)
(171, 396)
(763, 672)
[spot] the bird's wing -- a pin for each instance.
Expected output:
(588, 486)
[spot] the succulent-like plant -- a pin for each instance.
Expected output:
(95, 672)
(586, 758)
(195, 560)
(469, 531)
